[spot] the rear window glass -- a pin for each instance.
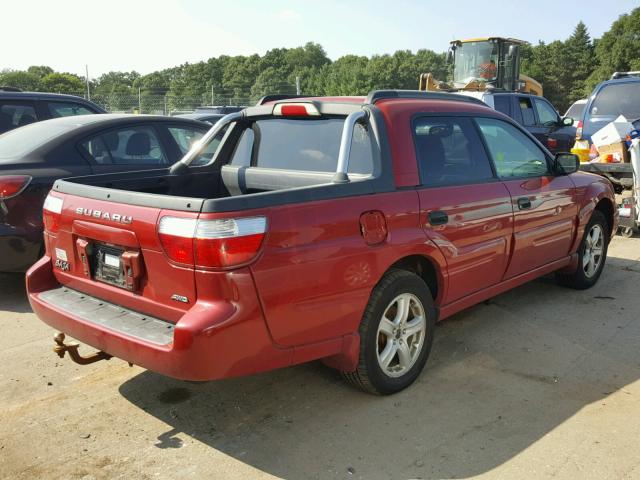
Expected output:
(307, 145)
(621, 99)
(575, 111)
(22, 141)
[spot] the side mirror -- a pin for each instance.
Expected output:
(566, 163)
(567, 121)
(449, 59)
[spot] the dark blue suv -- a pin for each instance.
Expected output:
(609, 100)
(22, 108)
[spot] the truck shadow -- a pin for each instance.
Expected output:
(13, 295)
(501, 376)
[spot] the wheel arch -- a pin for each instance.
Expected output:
(605, 205)
(426, 268)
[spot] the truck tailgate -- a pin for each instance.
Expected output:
(113, 252)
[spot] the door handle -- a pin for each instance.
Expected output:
(438, 217)
(524, 203)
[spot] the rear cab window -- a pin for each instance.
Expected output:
(526, 109)
(502, 104)
(302, 145)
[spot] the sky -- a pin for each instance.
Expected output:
(147, 35)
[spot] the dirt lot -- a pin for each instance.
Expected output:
(541, 382)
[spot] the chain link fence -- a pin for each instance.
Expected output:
(158, 103)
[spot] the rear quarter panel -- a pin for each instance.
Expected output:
(316, 272)
(590, 191)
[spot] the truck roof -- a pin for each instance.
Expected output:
(377, 96)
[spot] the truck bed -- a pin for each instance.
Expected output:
(227, 189)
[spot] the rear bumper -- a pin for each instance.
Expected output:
(19, 249)
(213, 340)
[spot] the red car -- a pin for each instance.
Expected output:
(336, 228)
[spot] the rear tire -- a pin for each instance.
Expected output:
(592, 254)
(396, 334)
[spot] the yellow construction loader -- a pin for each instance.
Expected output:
(481, 64)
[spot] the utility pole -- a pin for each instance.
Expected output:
(212, 94)
(165, 104)
(86, 69)
(298, 90)
(139, 101)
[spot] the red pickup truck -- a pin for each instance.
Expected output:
(326, 228)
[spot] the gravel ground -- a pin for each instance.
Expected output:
(540, 382)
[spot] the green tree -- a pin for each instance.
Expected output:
(579, 50)
(62, 83)
(617, 50)
(348, 76)
(39, 70)
(20, 79)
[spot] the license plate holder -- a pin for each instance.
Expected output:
(108, 265)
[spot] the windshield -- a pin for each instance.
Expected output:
(475, 61)
(615, 100)
(24, 140)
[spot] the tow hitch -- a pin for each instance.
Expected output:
(61, 348)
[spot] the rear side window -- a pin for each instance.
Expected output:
(14, 115)
(528, 117)
(67, 109)
(185, 137)
(620, 99)
(546, 113)
(449, 152)
(514, 154)
(128, 146)
(306, 145)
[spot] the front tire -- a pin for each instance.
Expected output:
(396, 334)
(592, 253)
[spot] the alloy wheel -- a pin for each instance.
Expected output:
(401, 335)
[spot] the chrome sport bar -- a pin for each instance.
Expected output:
(341, 175)
(213, 131)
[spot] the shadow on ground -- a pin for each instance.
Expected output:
(13, 296)
(501, 376)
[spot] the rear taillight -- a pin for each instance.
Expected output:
(552, 143)
(51, 213)
(176, 237)
(220, 243)
(579, 130)
(12, 185)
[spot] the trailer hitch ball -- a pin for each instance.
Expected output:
(72, 348)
